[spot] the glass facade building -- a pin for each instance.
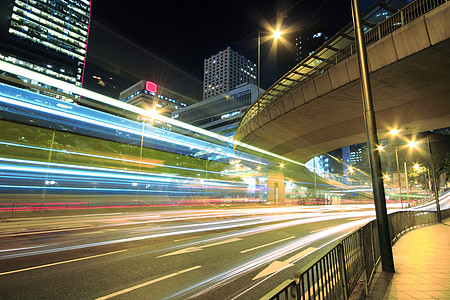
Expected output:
(49, 37)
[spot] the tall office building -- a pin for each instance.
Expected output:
(148, 95)
(49, 37)
(226, 70)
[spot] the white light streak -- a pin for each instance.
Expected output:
(11, 68)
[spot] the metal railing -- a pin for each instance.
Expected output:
(338, 48)
(336, 274)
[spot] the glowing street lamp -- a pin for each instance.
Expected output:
(276, 35)
(394, 132)
(412, 144)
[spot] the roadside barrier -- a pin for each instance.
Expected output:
(353, 258)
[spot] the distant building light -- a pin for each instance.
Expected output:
(229, 115)
(319, 34)
(151, 87)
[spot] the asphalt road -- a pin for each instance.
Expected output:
(201, 254)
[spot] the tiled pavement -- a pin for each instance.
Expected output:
(422, 267)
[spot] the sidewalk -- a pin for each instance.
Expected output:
(422, 267)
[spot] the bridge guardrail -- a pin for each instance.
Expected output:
(336, 274)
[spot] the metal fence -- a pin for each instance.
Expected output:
(336, 274)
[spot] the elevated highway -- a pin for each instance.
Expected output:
(316, 107)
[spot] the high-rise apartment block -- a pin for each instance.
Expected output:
(224, 71)
(49, 37)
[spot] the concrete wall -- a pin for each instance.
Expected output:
(276, 179)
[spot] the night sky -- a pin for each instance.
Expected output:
(184, 33)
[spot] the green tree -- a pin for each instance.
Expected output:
(417, 174)
(444, 167)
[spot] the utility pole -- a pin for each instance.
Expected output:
(387, 259)
(435, 188)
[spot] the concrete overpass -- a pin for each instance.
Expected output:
(316, 107)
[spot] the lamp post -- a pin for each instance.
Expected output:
(142, 134)
(142, 143)
(387, 258)
(276, 34)
(259, 63)
(394, 132)
(398, 176)
(435, 189)
(407, 184)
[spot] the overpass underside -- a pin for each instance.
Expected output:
(410, 75)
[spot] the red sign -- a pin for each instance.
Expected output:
(151, 87)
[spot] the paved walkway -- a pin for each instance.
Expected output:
(422, 267)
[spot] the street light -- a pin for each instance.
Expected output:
(412, 144)
(154, 111)
(387, 259)
(394, 132)
(436, 192)
(276, 34)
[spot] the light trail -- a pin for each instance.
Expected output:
(108, 158)
(266, 245)
(18, 165)
(194, 228)
(231, 274)
(173, 138)
(11, 68)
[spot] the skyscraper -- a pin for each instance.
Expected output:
(49, 37)
(224, 71)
